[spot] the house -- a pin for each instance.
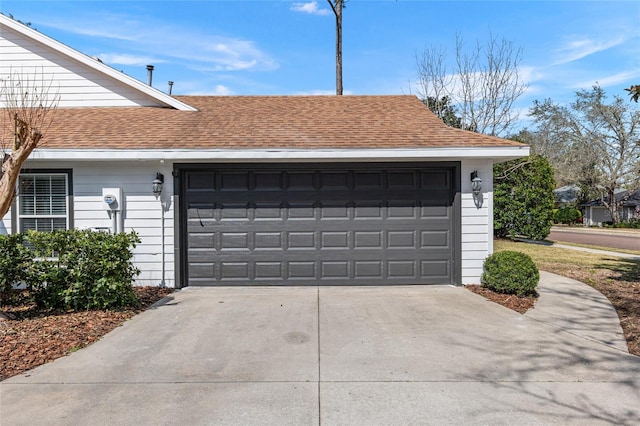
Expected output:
(596, 214)
(273, 190)
(566, 196)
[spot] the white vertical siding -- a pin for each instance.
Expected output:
(5, 224)
(77, 85)
(477, 223)
(142, 212)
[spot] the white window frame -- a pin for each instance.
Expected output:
(48, 173)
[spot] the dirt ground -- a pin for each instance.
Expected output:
(37, 336)
(511, 301)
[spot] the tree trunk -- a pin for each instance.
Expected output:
(26, 141)
(337, 10)
(612, 206)
(339, 49)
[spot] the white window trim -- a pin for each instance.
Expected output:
(67, 216)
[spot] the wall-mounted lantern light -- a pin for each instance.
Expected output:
(476, 183)
(476, 188)
(157, 184)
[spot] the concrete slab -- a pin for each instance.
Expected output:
(477, 403)
(178, 404)
(336, 355)
(598, 251)
(578, 309)
(451, 334)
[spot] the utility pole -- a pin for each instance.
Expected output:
(337, 6)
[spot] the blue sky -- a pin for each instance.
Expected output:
(287, 48)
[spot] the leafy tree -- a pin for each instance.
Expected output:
(634, 92)
(523, 198)
(444, 110)
(593, 142)
(482, 86)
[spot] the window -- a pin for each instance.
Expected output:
(43, 201)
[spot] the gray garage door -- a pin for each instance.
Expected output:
(301, 225)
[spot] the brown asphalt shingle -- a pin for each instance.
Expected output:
(252, 122)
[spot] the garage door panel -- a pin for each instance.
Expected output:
(285, 226)
(268, 240)
(437, 239)
(268, 270)
(368, 239)
(300, 211)
(401, 269)
(334, 181)
(301, 270)
(401, 180)
(234, 270)
(233, 181)
(234, 241)
(268, 181)
(402, 210)
(333, 211)
(301, 240)
(335, 269)
(435, 269)
(435, 180)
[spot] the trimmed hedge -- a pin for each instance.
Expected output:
(510, 272)
(567, 215)
(76, 269)
(14, 261)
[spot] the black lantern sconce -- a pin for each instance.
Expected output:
(157, 185)
(476, 188)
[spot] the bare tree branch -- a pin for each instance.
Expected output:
(28, 103)
(483, 85)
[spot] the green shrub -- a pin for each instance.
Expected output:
(523, 198)
(510, 272)
(77, 269)
(630, 224)
(14, 259)
(567, 215)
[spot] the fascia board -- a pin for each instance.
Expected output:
(496, 154)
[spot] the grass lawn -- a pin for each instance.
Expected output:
(617, 278)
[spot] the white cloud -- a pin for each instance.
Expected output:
(629, 77)
(218, 90)
(126, 59)
(310, 7)
(578, 48)
(195, 49)
(105, 29)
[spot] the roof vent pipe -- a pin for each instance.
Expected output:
(170, 87)
(149, 74)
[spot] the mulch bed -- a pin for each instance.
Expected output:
(37, 336)
(511, 301)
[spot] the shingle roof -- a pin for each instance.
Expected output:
(236, 122)
(629, 198)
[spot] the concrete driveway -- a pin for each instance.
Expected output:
(344, 356)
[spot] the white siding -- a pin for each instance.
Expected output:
(596, 216)
(142, 212)
(477, 223)
(77, 85)
(5, 224)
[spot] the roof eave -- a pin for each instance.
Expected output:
(497, 154)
